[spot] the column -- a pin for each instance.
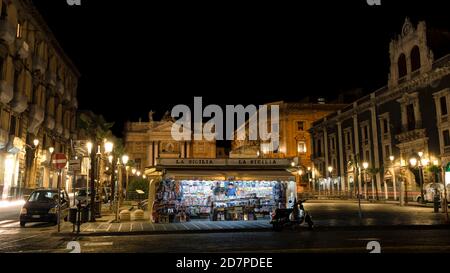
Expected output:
(341, 156)
(325, 144)
(376, 150)
(182, 147)
(356, 140)
(150, 154)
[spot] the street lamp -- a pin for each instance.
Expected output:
(138, 173)
(110, 159)
(365, 167)
(51, 150)
(36, 142)
(133, 171)
(330, 174)
(109, 147)
(89, 146)
(394, 182)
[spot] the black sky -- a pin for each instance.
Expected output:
(135, 57)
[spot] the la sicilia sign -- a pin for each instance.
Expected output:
(255, 162)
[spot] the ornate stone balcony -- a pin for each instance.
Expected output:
(49, 122)
(37, 115)
(6, 92)
(23, 49)
(66, 133)
(59, 128)
(7, 31)
(67, 97)
(408, 135)
(20, 102)
(38, 64)
(51, 78)
(60, 88)
(15, 145)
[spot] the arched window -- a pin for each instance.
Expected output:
(415, 59)
(402, 70)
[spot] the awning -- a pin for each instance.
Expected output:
(246, 175)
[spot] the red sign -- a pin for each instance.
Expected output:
(59, 161)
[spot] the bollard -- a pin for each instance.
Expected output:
(125, 215)
(138, 214)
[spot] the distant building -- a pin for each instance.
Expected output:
(38, 100)
(145, 142)
(295, 140)
(408, 117)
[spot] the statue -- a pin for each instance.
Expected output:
(150, 116)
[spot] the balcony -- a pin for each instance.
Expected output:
(15, 145)
(66, 133)
(6, 92)
(49, 122)
(20, 103)
(36, 118)
(7, 31)
(411, 133)
(4, 137)
(38, 64)
(51, 78)
(59, 128)
(23, 49)
(67, 97)
(60, 88)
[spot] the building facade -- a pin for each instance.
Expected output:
(38, 100)
(367, 147)
(296, 120)
(145, 142)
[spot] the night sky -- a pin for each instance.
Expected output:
(135, 57)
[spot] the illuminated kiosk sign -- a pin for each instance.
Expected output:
(247, 162)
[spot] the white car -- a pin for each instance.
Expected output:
(430, 190)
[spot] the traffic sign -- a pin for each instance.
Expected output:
(59, 161)
(75, 165)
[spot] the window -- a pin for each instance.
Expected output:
(137, 162)
(385, 126)
(301, 147)
(300, 125)
(411, 117)
(402, 70)
(446, 138)
(415, 59)
(444, 110)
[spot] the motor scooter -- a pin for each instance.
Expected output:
(292, 217)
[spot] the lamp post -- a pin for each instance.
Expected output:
(394, 182)
(330, 176)
(89, 146)
(365, 167)
(125, 160)
(419, 163)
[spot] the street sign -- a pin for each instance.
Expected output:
(59, 161)
(75, 165)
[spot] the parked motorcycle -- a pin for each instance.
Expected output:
(292, 218)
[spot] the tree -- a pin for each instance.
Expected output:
(373, 172)
(93, 128)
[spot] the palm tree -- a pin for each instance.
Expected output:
(373, 172)
(94, 128)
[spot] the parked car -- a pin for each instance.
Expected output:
(42, 206)
(430, 190)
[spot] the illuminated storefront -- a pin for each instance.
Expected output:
(222, 189)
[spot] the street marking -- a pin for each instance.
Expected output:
(142, 226)
(11, 225)
(164, 226)
(131, 227)
(262, 224)
(18, 240)
(185, 227)
(109, 227)
(196, 226)
(6, 221)
(175, 226)
(217, 226)
(120, 226)
(99, 244)
(153, 226)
